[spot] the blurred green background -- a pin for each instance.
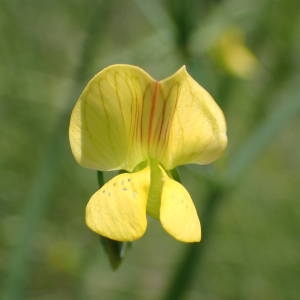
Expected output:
(246, 53)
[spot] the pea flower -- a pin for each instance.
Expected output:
(230, 50)
(126, 120)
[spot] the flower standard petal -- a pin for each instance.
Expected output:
(195, 126)
(178, 214)
(106, 123)
(118, 209)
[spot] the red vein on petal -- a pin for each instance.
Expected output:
(141, 117)
(136, 120)
(162, 121)
(153, 106)
(171, 115)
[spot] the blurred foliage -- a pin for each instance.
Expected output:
(247, 201)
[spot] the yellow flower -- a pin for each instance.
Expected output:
(125, 119)
(232, 52)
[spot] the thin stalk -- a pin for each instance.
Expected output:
(194, 253)
(40, 195)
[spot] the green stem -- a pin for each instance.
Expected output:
(194, 253)
(39, 196)
(100, 178)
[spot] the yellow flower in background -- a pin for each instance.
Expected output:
(234, 55)
(125, 119)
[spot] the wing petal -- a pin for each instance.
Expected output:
(118, 209)
(178, 214)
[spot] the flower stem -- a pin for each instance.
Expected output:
(193, 253)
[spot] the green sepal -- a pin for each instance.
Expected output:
(115, 251)
(175, 175)
(100, 178)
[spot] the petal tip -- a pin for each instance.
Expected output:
(92, 225)
(194, 237)
(180, 74)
